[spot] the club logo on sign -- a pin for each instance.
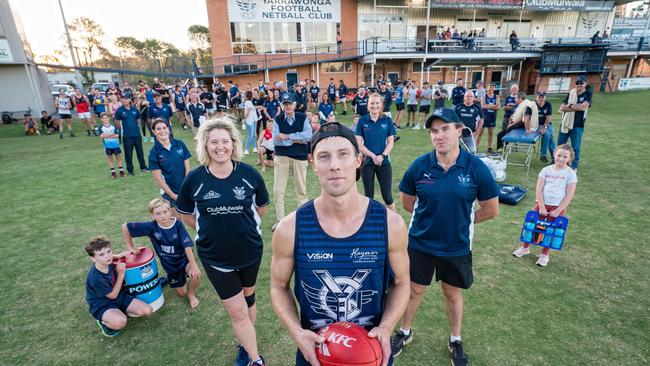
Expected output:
(247, 8)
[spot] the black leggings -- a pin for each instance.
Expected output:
(501, 134)
(384, 176)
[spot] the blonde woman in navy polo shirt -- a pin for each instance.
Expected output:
(169, 162)
(440, 189)
(376, 135)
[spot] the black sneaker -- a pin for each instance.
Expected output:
(61, 136)
(106, 331)
(131, 173)
(72, 134)
(396, 138)
(543, 159)
(399, 340)
(88, 131)
(458, 356)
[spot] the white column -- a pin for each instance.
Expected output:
(372, 74)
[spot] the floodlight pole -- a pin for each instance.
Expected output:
(74, 59)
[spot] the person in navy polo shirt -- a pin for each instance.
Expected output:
(291, 135)
(387, 99)
(439, 189)
(169, 162)
(224, 200)
(346, 253)
(331, 91)
(129, 115)
(458, 93)
(314, 91)
(578, 109)
(161, 110)
(545, 112)
(509, 106)
(376, 136)
(471, 116)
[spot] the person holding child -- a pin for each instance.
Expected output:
(173, 246)
(556, 185)
(107, 303)
(224, 200)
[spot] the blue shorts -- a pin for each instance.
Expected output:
(489, 121)
(122, 302)
(178, 278)
(399, 106)
(180, 108)
(113, 151)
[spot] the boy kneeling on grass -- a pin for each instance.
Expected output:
(173, 246)
(107, 303)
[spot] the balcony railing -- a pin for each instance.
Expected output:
(251, 63)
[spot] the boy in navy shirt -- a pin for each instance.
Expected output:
(172, 245)
(107, 303)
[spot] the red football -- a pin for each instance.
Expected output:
(348, 344)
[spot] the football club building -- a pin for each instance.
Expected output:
(541, 44)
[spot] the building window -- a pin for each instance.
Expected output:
(337, 67)
(287, 36)
(250, 37)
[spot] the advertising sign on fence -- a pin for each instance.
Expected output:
(633, 83)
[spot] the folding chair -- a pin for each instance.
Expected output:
(517, 140)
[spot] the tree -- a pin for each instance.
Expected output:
(199, 35)
(87, 35)
(129, 45)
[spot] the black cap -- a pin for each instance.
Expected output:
(541, 93)
(27, 114)
(333, 129)
(581, 79)
(288, 98)
(440, 82)
(446, 115)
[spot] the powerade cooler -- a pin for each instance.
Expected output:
(141, 278)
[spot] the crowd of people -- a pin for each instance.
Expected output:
(339, 243)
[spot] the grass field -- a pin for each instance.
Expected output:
(590, 306)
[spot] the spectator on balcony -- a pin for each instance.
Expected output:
(455, 35)
(446, 35)
(605, 35)
(339, 42)
(596, 37)
(482, 33)
(458, 93)
(514, 40)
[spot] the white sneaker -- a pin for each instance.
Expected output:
(245, 152)
(542, 261)
(520, 252)
(416, 127)
(254, 149)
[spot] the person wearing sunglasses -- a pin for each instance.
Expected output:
(574, 108)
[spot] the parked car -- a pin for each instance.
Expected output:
(67, 88)
(102, 87)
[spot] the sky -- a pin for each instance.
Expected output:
(166, 20)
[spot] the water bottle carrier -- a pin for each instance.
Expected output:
(545, 232)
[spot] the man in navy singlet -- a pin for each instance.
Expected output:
(342, 245)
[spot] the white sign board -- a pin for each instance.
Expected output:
(633, 83)
(558, 84)
(5, 51)
(315, 11)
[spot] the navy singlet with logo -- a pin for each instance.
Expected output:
(341, 279)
